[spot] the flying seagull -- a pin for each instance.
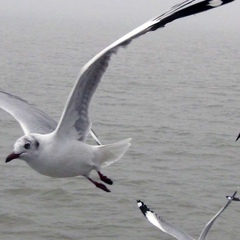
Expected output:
(59, 149)
(168, 228)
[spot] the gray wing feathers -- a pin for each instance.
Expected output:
(76, 108)
(29, 117)
(172, 230)
(74, 122)
(208, 226)
(160, 223)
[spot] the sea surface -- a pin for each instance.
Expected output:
(175, 92)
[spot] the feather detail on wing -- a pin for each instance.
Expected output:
(74, 122)
(160, 223)
(31, 119)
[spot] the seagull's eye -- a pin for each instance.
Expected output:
(27, 145)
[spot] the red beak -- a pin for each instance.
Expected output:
(12, 156)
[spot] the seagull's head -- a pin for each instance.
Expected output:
(25, 148)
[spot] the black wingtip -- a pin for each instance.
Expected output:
(238, 137)
(236, 199)
(233, 198)
(187, 8)
(140, 204)
(143, 207)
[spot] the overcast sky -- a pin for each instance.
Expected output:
(104, 9)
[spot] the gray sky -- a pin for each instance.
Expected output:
(109, 10)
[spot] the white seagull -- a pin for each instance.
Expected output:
(168, 228)
(59, 149)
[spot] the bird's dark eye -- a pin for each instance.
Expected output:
(27, 145)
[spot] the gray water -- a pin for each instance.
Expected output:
(176, 92)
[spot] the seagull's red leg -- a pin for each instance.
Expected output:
(99, 185)
(105, 178)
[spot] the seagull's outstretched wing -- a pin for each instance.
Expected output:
(75, 122)
(160, 223)
(29, 117)
(208, 226)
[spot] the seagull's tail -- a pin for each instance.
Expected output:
(108, 154)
